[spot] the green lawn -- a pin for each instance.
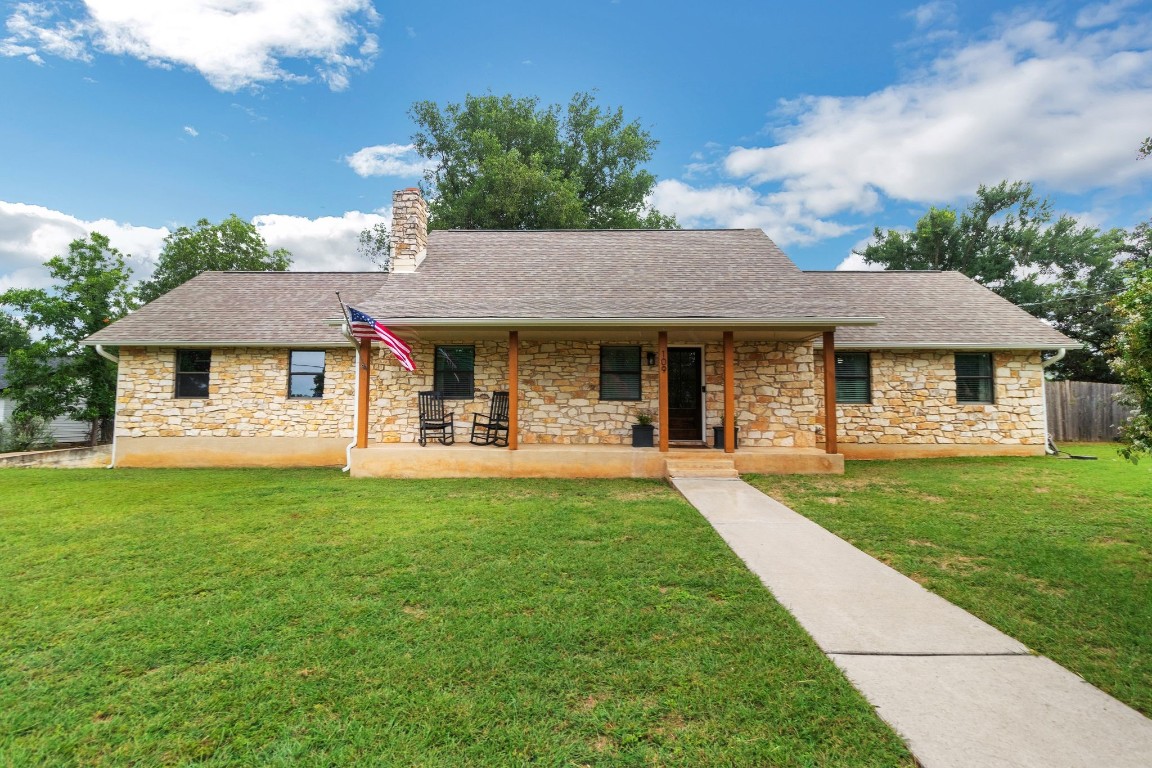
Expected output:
(302, 618)
(1055, 552)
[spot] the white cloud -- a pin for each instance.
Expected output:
(327, 243)
(1063, 109)
(191, 131)
(387, 160)
(32, 234)
(742, 207)
(938, 12)
(1102, 14)
(232, 44)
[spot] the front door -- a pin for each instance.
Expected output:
(685, 395)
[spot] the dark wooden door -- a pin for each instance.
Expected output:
(685, 397)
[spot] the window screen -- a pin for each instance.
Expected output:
(306, 373)
(853, 379)
(619, 373)
(974, 377)
(455, 368)
(193, 368)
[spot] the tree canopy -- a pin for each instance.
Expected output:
(1133, 361)
(1010, 241)
(507, 163)
(13, 333)
(232, 245)
(56, 375)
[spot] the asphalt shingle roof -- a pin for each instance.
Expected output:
(236, 308)
(932, 309)
(569, 274)
(573, 275)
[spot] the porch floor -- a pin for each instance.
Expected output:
(410, 460)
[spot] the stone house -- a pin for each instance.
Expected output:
(713, 331)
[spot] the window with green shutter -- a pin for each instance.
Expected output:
(619, 373)
(853, 377)
(974, 377)
(455, 371)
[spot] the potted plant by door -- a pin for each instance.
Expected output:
(642, 430)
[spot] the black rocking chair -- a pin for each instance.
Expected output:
(493, 428)
(433, 419)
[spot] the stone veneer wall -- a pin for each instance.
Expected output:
(560, 381)
(775, 398)
(247, 396)
(914, 402)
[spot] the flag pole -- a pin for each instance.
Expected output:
(344, 312)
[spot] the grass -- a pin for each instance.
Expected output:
(302, 618)
(1056, 553)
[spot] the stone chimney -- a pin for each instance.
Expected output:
(409, 229)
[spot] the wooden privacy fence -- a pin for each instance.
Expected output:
(1084, 410)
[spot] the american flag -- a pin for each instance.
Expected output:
(365, 327)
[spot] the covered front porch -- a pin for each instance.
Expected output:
(756, 382)
(409, 460)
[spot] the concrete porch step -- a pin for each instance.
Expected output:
(715, 468)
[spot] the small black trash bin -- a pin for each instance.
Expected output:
(718, 438)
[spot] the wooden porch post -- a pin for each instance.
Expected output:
(830, 392)
(729, 392)
(662, 410)
(362, 380)
(513, 390)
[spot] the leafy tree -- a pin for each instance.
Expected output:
(507, 163)
(1133, 361)
(13, 334)
(1146, 147)
(374, 246)
(56, 375)
(231, 245)
(1010, 241)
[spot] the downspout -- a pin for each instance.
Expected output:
(1049, 448)
(344, 329)
(112, 358)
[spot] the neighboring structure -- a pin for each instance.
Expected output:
(711, 329)
(63, 430)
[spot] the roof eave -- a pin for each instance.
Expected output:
(1001, 347)
(632, 322)
(219, 343)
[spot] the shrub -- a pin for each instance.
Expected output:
(24, 432)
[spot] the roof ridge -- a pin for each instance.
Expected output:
(608, 229)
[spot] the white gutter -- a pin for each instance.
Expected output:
(108, 356)
(356, 408)
(224, 343)
(1055, 358)
(1048, 447)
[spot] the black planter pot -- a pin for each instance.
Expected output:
(718, 438)
(642, 435)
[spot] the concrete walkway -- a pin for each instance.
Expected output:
(958, 691)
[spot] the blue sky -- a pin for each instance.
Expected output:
(814, 121)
